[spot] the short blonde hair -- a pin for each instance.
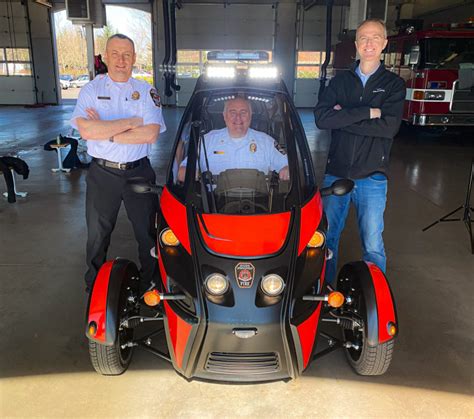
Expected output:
(379, 21)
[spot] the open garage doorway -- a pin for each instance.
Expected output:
(72, 50)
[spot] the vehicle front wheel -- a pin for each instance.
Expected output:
(114, 359)
(365, 359)
(109, 360)
(371, 360)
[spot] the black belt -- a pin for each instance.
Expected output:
(119, 166)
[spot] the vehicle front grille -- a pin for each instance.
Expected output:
(463, 101)
(243, 363)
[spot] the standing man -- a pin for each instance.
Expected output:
(120, 118)
(363, 108)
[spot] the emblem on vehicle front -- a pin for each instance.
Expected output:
(244, 274)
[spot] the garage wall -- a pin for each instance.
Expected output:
(210, 27)
(43, 53)
(231, 27)
(312, 37)
(313, 27)
(14, 34)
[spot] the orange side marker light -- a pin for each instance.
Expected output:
(92, 328)
(152, 298)
(335, 299)
(391, 329)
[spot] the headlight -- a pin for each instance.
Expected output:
(220, 72)
(168, 238)
(263, 72)
(216, 284)
(434, 95)
(317, 239)
(272, 285)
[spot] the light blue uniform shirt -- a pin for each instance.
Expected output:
(114, 100)
(254, 151)
(364, 77)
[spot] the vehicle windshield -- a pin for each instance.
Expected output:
(447, 52)
(242, 153)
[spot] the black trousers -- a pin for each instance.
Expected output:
(106, 189)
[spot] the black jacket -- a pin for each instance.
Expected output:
(360, 146)
(19, 166)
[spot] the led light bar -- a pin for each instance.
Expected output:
(220, 72)
(237, 56)
(263, 72)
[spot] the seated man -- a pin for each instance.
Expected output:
(239, 147)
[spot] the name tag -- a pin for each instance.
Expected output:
(103, 97)
(218, 152)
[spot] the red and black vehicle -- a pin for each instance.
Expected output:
(242, 257)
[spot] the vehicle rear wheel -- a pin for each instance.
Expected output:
(364, 359)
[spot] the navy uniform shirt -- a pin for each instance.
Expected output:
(114, 100)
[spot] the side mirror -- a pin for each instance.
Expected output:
(140, 185)
(339, 187)
(414, 55)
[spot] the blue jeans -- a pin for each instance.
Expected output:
(369, 197)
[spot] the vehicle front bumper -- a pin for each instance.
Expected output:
(452, 119)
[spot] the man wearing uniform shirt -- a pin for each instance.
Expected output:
(240, 147)
(121, 119)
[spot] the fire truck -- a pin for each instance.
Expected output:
(438, 67)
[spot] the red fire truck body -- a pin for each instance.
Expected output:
(438, 67)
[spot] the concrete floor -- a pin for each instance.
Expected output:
(45, 369)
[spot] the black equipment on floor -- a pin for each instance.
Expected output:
(7, 164)
(71, 161)
(467, 214)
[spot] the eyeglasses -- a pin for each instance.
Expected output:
(243, 113)
(374, 39)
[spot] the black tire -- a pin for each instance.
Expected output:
(109, 360)
(370, 360)
(365, 360)
(113, 359)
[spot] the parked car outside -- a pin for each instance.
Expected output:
(80, 81)
(65, 81)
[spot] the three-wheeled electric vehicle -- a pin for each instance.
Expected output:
(241, 255)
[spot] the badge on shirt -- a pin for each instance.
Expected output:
(155, 97)
(103, 97)
(135, 95)
(253, 147)
(218, 152)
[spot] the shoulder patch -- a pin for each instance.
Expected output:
(155, 97)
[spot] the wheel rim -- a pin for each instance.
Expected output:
(358, 310)
(126, 334)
